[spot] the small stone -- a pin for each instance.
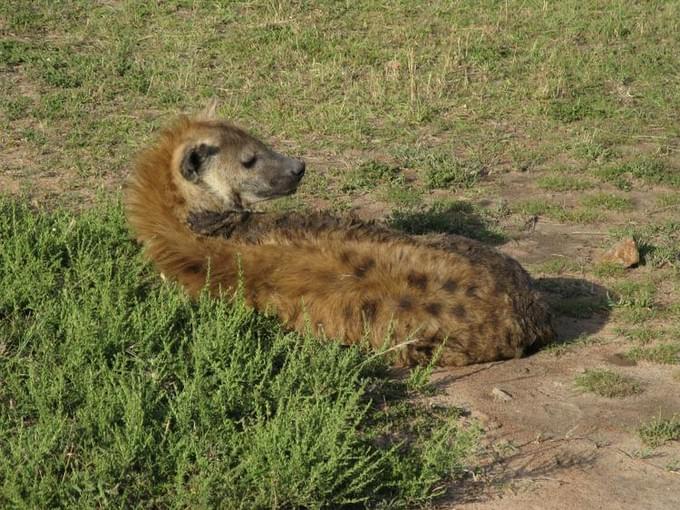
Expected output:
(502, 395)
(624, 253)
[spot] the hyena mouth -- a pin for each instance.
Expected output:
(286, 186)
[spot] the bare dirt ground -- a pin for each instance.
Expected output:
(551, 445)
(565, 449)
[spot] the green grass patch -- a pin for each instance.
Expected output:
(563, 183)
(606, 383)
(578, 79)
(593, 151)
(659, 431)
(608, 270)
(369, 175)
(665, 353)
(404, 195)
(634, 301)
(442, 169)
(118, 391)
(558, 266)
(608, 202)
(653, 171)
(542, 207)
(647, 169)
(634, 294)
(668, 200)
(614, 176)
(640, 335)
(584, 104)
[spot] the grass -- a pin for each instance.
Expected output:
(659, 430)
(664, 353)
(669, 200)
(606, 383)
(369, 175)
(641, 336)
(404, 195)
(441, 168)
(608, 202)
(592, 150)
(632, 294)
(649, 170)
(608, 270)
(558, 266)
(463, 79)
(634, 301)
(543, 207)
(119, 391)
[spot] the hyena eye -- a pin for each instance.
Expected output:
(249, 161)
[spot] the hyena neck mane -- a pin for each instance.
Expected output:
(220, 223)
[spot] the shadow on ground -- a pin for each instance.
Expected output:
(532, 462)
(459, 217)
(580, 307)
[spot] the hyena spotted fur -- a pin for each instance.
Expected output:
(188, 201)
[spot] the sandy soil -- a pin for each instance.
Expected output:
(551, 445)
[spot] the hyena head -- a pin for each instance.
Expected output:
(221, 167)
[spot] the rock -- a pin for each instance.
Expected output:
(624, 253)
(502, 395)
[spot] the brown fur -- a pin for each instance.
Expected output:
(341, 276)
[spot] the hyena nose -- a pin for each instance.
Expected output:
(299, 169)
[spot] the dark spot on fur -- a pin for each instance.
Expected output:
(405, 303)
(471, 291)
(459, 311)
(346, 256)
(417, 280)
(195, 268)
(425, 349)
(361, 270)
(450, 285)
(369, 310)
(433, 309)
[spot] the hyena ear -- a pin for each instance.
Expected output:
(194, 159)
(210, 111)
